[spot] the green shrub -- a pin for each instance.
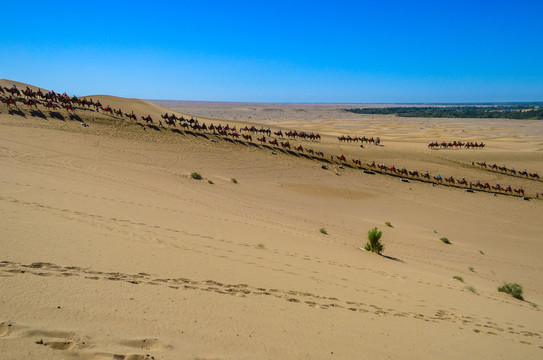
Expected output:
(261, 246)
(472, 289)
(211, 182)
(445, 240)
(513, 289)
(471, 269)
(374, 244)
(196, 176)
(388, 224)
(323, 231)
(234, 181)
(459, 278)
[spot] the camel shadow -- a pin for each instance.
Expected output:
(56, 115)
(202, 135)
(75, 117)
(17, 112)
(154, 127)
(177, 131)
(38, 113)
(240, 142)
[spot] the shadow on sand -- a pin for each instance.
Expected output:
(56, 115)
(17, 112)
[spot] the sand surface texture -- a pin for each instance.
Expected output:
(111, 250)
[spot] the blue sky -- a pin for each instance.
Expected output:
(280, 51)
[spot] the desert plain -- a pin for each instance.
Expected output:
(110, 249)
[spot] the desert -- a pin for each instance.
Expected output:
(113, 249)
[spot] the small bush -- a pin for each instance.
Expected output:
(388, 224)
(512, 289)
(211, 182)
(196, 176)
(472, 289)
(445, 240)
(471, 269)
(234, 180)
(481, 251)
(323, 231)
(459, 278)
(435, 231)
(261, 246)
(374, 244)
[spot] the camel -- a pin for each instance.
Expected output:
(131, 116)
(462, 182)
(13, 91)
(147, 119)
(68, 106)
(31, 102)
(10, 101)
(170, 122)
(285, 144)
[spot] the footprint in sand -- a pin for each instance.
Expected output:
(5, 329)
(145, 344)
(107, 356)
(57, 345)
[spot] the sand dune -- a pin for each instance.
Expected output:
(110, 250)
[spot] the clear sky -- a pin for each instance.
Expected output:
(279, 51)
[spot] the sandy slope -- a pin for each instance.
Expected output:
(110, 250)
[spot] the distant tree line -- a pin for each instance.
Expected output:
(531, 111)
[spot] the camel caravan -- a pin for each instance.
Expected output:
(509, 171)
(362, 139)
(52, 100)
(455, 145)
